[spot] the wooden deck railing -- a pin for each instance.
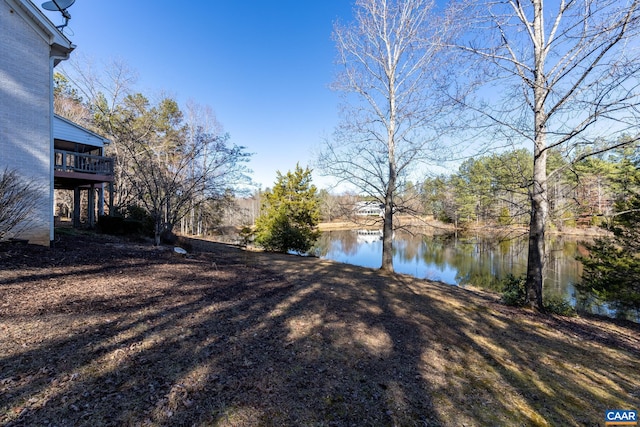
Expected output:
(68, 161)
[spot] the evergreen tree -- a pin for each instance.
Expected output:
(290, 213)
(612, 269)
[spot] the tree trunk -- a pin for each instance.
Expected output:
(539, 213)
(387, 229)
(536, 256)
(538, 193)
(387, 235)
(156, 234)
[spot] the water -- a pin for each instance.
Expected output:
(480, 261)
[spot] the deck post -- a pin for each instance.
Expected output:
(100, 200)
(76, 207)
(91, 211)
(111, 198)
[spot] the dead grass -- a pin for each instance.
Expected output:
(102, 332)
(419, 224)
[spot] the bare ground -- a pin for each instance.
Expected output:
(101, 332)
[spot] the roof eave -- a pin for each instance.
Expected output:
(102, 138)
(61, 46)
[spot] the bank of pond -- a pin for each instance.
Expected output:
(477, 260)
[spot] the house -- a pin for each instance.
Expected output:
(369, 209)
(48, 151)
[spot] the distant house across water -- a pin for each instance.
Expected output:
(369, 209)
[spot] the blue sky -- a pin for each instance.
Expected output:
(263, 66)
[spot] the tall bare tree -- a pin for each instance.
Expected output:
(568, 73)
(391, 64)
(163, 165)
(201, 126)
(103, 88)
(171, 168)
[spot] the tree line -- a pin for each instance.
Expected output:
(492, 189)
(173, 165)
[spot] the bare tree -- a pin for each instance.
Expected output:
(18, 199)
(103, 88)
(329, 206)
(169, 168)
(67, 102)
(391, 64)
(169, 173)
(568, 73)
(201, 125)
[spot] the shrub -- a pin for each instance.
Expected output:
(290, 214)
(134, 227)
(133, 221)
(555, 304)
(18, 199)
(504, 217)
(514, 291)
(246, 235)
(111, 224)
(144, 220)
(612, 267)
(596, 221)
(569, 219)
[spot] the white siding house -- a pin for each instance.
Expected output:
(369, 209)
(42, 148)
(66, 130)
(30, 46)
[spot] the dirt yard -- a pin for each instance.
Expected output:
(101, 332)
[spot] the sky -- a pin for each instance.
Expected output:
(264, 67)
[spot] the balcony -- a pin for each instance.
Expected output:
(72, 169)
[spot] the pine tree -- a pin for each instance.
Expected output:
(612, 269)
(290, 214)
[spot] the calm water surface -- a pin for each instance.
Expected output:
(471, 260)
(480, 261)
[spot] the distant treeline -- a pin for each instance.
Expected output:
(494, 189)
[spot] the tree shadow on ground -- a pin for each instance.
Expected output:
(227, 337)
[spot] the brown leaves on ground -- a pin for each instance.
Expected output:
(103, 332)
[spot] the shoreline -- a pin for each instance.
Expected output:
(430, 226)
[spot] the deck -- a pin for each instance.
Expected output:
(72, 169)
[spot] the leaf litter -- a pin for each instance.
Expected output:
(104, 332)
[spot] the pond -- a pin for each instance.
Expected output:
(476, 260)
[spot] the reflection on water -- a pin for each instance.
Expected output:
(480, 261)
(471, 260)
